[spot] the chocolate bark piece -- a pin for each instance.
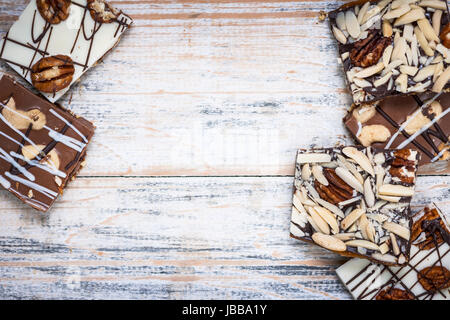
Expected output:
(393, 48)
(426, 276)
(417, 122)
(62, 40)
(350, 200)
(42, 146)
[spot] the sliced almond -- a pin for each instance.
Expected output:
(399, 49)
(423, 42)
(435, 4)
(387, 29)
(401, 259)
(351, 218)
(436, 20)
(329, 242)
(329, 218)
(345, 236)
(350, 179)
(414, 52)
(383, 80)
(306, 171)
(387, 258)
(428, 30)
(438, 71)
(360, 159)
(384, 248)
(424, 73)
(339, 35)
(352, 168)
(369, 196)
(340, 21)
(402, 83)
(363, 243)
(361, 83)
(394, 244)
(362, 12)
(353, 26)
(389, 198)
(303, 196)
(331, 207)
(409, 70)
(370, 71)
(298, 217)
(408, 32)
(442, 81)
(396, 190)
(317, 172)
(321, 224)
(313, 157)
(397, 229)
(387, 53)
(398, 12)
(409, 17)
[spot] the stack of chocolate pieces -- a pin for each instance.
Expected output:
(355, 200)
(54, 42)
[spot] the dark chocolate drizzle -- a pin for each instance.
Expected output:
(439, 133)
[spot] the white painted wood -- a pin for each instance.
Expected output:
(220, 88)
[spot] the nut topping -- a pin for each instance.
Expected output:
(102, 12)
(368, 51)
(52, 74)
(445, 36)
(434, 278)
(23, 119)
(394, 294)
(54, 11)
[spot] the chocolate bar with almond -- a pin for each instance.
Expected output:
(355, 201)
(393, 47)
(42, 146)
(55, 42)
(420, 122)
(426, 276)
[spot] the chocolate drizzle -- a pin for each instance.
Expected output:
(429, 227)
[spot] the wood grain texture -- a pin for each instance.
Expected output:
(187, 191)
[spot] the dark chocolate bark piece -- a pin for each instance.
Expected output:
(355, 201)
(392, 47)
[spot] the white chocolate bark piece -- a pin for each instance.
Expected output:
(426, 275)
(81, 38)
(352, 200)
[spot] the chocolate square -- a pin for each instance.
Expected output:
(392, 48)
(42, 146)
(55, 42)
(355, 201)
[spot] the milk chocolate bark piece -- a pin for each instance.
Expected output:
(393, 48)
(42, 146)
(355, 201)
(426, 276)
(417, 122)
(55, 42)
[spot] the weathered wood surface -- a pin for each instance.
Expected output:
(215, 90)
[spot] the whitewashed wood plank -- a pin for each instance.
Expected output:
(174, 238)
(222, 88)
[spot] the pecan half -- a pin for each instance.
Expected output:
(52, 74)
(432, 225)
(331, 193)
(102, 12)
(335, 180)
(368, 51)
(445, 35)
(394, 294)
(402, 174)
(434, 278)
(54, 11)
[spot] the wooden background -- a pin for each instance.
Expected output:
(187, 192)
